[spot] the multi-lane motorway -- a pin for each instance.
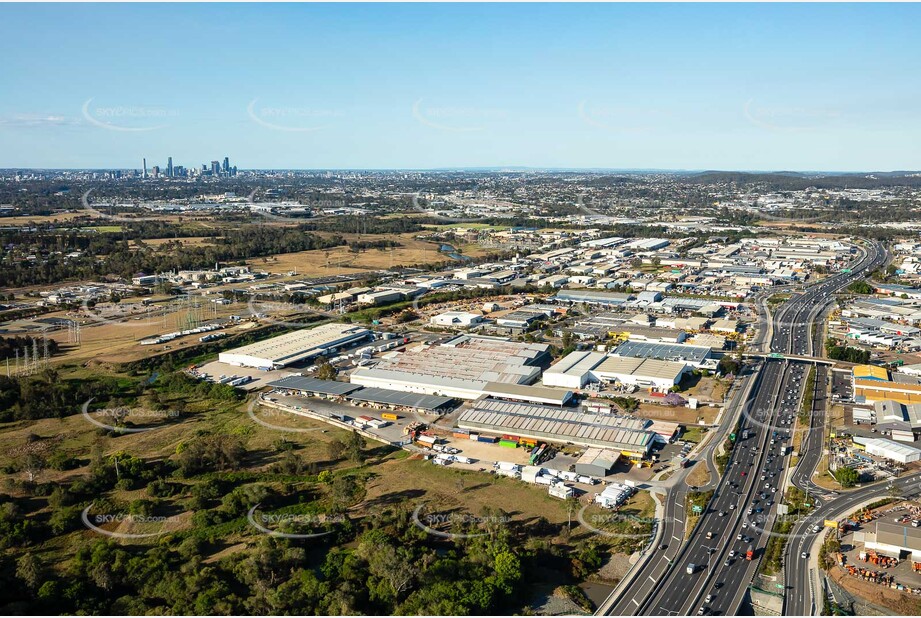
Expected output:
(710, 573)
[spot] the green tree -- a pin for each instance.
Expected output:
(848, 477)
(326, 371)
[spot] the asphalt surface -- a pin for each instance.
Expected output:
(674, 521)
(799, 596)
(740, 514)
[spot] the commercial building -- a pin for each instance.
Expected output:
(296, 346)
(461, 367)
(456, 319)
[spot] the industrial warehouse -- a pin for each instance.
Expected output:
(578, 369)
(330, 389)
(462, 367)
(631, 437)
(294, 347)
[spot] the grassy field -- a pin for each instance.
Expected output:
(341, 261)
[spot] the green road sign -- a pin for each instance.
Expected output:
(781, 586)
(775, 355)
(698, 509)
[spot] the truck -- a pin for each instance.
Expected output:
(750, 553)
(691, 568)
(745, 434)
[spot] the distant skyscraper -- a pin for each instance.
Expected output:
(145, 167)
(226, 166)
(216, 168)
(156, 171)
(169, 167)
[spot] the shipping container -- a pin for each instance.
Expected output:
(511, 437)
(489, 439)
(508, 443)
(529, 442)
(390, 416)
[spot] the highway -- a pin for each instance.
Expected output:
(797, 570)
(739, 513)
(674, 521)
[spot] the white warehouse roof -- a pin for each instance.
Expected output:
(295, 346)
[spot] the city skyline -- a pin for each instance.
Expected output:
(423, 87)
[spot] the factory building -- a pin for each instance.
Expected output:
(621, 434)
(888, 449)
(893, 539)
(579, 368)
(574, 370)
(461, 367)
(648, 373)
(296, 346)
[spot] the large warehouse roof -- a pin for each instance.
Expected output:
(900, 536)
(523, 392)
(314, 385)
(294, 346)
(576, 363)
(641, 367)
(562, 425)
(870, 372)
(398, 398)
(694, 354)
(462, 367)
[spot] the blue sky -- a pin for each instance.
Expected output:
(714, 86)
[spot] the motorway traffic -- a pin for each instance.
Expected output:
(710, 573)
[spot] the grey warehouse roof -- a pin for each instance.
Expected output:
(399, 398)
(663, 351)
(315, 385)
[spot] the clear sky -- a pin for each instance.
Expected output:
(715, 86)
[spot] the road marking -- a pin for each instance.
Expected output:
(635, 601)
(679, 521)
(652, 579)
(676, 538)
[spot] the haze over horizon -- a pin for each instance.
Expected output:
(436, 87)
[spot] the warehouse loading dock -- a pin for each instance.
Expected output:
(378, 397)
